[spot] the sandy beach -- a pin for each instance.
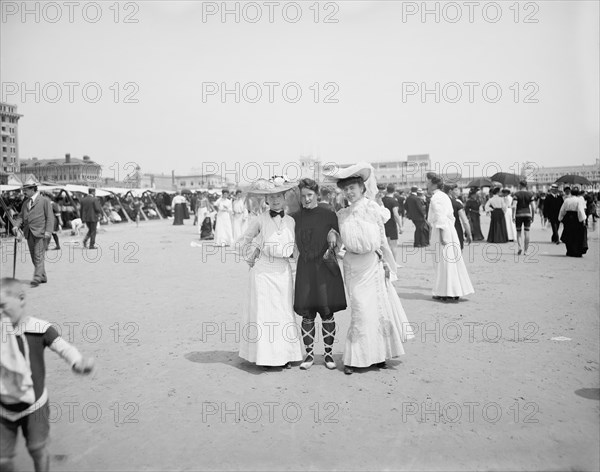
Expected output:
(506, 379)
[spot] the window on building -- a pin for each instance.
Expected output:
(182, 183)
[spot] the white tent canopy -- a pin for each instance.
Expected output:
(8, 188)
(84, 189)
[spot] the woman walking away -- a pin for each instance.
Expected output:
(572, 216)
(451, 277)
(497, 206)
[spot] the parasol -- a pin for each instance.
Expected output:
(506, 178)
(573, 179)
(480, 182)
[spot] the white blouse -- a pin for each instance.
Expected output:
(495, 202)
(441, 214)
(361, 226)
(573, 204)
(223, 204)
(274, 236)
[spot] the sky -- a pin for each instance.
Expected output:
(141, 82)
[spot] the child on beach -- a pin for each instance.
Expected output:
(23, 395)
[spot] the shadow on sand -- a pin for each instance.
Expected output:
(226, 357)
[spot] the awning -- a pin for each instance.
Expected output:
(84, 189)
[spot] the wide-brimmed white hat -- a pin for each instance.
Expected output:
(360, 169)
(276, 184)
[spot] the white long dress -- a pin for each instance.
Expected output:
(511, 228)
(239, 218)
(224, 230)
(270, 335)
(378, 323)
(451, 277)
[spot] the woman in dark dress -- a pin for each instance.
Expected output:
(179, 209)
(497, 206)
(319, 285)
(472, 211)
(573, 217)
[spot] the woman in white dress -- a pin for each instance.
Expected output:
(240, 215)
(270, 334)
(224, 230)
(378, 324)
(451, 279)
(511, 228)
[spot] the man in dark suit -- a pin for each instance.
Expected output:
(37, 219)
(552, 205)
(91, 212)
(416, 212)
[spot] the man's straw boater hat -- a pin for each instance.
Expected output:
(29, 183)
(276, 184)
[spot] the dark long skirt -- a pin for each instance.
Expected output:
(179, 214)
(475, 223)
(421, 234)
(206, 231)
(459, 231)
(574, 235)
(497, 233)
(318, 289)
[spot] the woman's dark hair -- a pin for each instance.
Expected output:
(473, 191)
(447, 188)
(495, 191)
(575, 191)
(435, 179)
(343, 183)
(310, 184)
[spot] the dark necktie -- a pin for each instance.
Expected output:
(275, 213)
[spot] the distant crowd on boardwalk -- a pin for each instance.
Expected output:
(507, 208)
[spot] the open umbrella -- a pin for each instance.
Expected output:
(505, 178)
(480, 182)
(573, 179)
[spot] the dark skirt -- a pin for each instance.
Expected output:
(459, 231)
(475, 226)
(421, 234)
(206, 231)
(318, 289)
(179, 214)
(497, 233)
(574, 235)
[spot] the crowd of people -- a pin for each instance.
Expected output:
(513, 214)
(342, 240)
